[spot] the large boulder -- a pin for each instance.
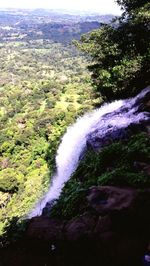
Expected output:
(108, 199)
(80, 227)
(116, 229)
(45, 229)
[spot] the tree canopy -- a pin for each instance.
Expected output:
(120, 51)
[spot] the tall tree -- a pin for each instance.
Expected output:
(120, 52)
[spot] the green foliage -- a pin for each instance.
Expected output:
(130, 5)
(14, 230)
(8, 181)
(120, 52)
(123, 177)
(40, 87)
(105, 169)
(106, 161)
(69, 204)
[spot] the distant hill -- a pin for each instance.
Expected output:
(47, 24)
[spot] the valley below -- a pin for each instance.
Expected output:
(75, 137)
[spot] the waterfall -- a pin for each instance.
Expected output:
(118, 114)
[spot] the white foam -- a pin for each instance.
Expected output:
(121, 114)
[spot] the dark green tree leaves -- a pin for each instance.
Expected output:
(120, 52)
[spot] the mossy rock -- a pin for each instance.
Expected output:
(113, 165)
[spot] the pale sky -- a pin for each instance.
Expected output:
(101, 6)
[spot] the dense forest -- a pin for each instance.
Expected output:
(44, 86)
(46, 83)
(121, 53)
(120, 67)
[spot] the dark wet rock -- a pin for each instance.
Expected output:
(43, 228)
(111, 127)
(115, 230)
(47, 209)
(108, 199)
(80, 227)
(142, 166)
(103, 225)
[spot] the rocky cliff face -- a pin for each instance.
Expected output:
(110, 225)
(115, 232)
(131, 118)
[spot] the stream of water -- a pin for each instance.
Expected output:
(118, 114)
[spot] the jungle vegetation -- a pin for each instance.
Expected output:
(44, 86)
(120, 52)
(120, 67)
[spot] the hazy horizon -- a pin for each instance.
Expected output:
(96, 6)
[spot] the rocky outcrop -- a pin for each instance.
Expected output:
(109, 199)
(116, 229)
(131, 118)
(45, 229)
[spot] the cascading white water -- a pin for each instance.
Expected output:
(122, 114)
